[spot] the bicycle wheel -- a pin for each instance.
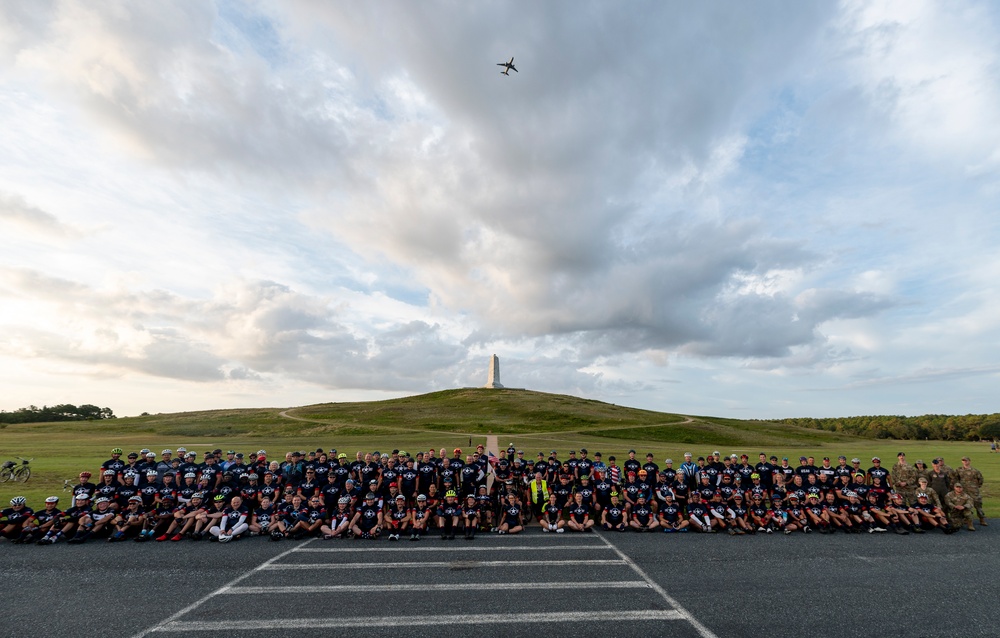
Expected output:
(6, 474)
(22, 474)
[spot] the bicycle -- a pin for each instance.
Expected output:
(10, 470)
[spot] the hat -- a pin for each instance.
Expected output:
(55, 499)
(669, 461)
(875, 458)
(802, 458)
(855, 460)
(957, 485)
(965, 458)
(583, 450)
(400, 497)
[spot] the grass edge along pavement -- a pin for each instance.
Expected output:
(533, 421)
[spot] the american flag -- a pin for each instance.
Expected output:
(493, 459)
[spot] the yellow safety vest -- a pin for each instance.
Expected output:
(533, 486)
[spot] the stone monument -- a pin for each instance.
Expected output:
(493, 380)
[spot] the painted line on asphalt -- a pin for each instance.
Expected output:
(417, 621)
(457, 564)
(702, 630)
(201, 601)
(477, 548)
(323, 589)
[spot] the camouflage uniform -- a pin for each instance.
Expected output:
(972, 480)
(957, 518)
(904, 480)
(941, 481)
(932, 496)
(922, 471)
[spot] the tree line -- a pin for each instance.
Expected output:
(942, 427)
(63, 412)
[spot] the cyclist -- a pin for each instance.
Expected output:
(128, 521)
(233, 522)
(422, 516)
(115, 463)
(448, 514)
(670, 515)
(579, 514)
(551, 518)
(511, 522)
(340, 519)
(470, 516)
(40, 522)
(367, 519)
(13, 518)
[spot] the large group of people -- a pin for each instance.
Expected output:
(318, 494)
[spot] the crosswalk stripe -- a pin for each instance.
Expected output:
(457, 564)
(415, 621)
(477, 548)
(323, 589)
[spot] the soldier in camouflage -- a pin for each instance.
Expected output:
(941, 478)
(924, 487)
(972, 481)
(904, 478)
(922, 471)
(960, 508)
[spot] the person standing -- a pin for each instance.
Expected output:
(940, 479)
(972, 481)
(904, 478)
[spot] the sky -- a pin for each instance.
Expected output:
(752, 210)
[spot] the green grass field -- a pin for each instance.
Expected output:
(533, 421)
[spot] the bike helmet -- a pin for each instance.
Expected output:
(103, 499)
(450, 493)
(400, 497)
(138, 499)
(109, 472)
(52, 499)
(85, 475)
(369, 496)
(82, 497)
(252, 476)
(18, 500)
(150, 472)
(422, 497)
(344, 500)
(198, 495)
(219, 497)
(117, 450)
(190, 475)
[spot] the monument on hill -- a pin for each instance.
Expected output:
(493, 380)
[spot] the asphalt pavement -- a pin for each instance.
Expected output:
(620, 584)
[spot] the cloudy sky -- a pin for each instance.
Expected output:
(735, 209)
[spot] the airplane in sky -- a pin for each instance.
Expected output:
(507, 66)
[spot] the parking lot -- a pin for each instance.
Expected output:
(608, 584)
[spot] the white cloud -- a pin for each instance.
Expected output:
(257, 196)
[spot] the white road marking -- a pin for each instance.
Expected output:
(201, 601)
(460, 564)
(702, 630)
(322, 589)
(415, 621)
(477, 548)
